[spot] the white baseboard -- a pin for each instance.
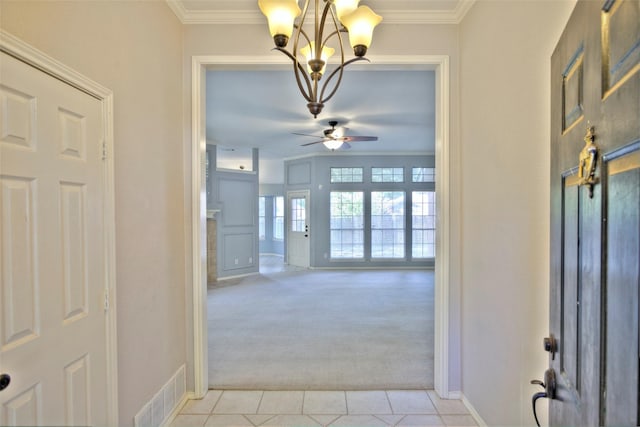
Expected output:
(476, 416)
(166, 403)
(455, 395)
(238, 276)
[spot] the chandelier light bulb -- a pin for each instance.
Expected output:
(360, 24)
(309, 52)
(345, 7)
(281, 15)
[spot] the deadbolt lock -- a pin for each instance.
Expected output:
(551, 346)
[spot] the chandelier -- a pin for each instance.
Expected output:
(336, 17)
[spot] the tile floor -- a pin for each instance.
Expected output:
(323, 408)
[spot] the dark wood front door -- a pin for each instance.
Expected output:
(595, 217)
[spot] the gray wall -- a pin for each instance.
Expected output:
(312, 173)
(235, 193)
(505, 126)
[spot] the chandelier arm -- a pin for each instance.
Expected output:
(318, 29)
(300, 30)
(341, 30)
(340, 68)
(325, 12)
(299, 69)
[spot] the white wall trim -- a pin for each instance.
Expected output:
(198, 207)
(476, 416)
(443, 245)
(254, 17)
(15, 47)
(199, 227)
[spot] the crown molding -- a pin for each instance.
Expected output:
(254, 17)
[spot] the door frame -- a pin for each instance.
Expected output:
(287, 215)
(22, 51)
(445, 167)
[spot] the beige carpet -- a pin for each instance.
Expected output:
(322, 330)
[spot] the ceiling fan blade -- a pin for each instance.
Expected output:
(311, 143)
(359, 138)
(306, 134)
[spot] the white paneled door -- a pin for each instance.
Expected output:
(53, 279)
(298, 241)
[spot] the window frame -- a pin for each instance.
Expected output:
(278, 220)
(353, 230)
(394, 230)
(342, 174)
(395, 171)
(432, 210)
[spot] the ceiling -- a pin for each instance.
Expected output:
(261, 108)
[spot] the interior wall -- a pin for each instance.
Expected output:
(390, 40)
(505, 51)
(237, 223)
(134, 49)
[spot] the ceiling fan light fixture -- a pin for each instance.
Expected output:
(333, 144)
(334, 138)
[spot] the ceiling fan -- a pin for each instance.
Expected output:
(334, 138)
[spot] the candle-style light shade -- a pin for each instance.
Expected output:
(360, 24)
(345, 7)
(280, 14)
(309, 52)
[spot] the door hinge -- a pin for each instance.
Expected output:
(104, 150)
(106, 300)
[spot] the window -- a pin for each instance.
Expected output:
(387, 174)
(387, 224)
(261, 218)
(339, 175)
(423, 175)
(423, 213)
(278, 218)
(298, 214)
(347, 224)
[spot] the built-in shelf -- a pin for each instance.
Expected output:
(211, 213)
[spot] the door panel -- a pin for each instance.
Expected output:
(20, 306)
(570, 288)
(25, 409)
(53, 323)
(595, 218)
(621, 355)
